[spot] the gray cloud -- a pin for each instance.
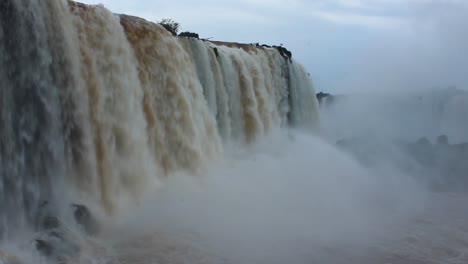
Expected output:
(204, 13)
(347, 45)
(431, 52)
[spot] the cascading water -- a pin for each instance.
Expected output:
(98, 107)
(32, 142)
(124, 159)
(182, 131)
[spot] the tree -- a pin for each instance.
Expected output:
(170, 25)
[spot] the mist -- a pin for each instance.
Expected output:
(290, 198)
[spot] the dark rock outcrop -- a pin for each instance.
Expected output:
(189, 35)
(44, 247)
(321, 95)
(46, 219)
(50, 222)
(284, 52)
(85, 219)
(57, 246)
(324, 98)
(55, 241)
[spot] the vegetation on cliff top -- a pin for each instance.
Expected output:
(170, 25)
(173, 27)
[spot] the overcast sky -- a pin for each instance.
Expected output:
(346, 45)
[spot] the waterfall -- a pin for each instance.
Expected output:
(100, 107)
(182, 131)
(32, 142)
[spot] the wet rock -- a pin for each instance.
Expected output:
(44, 247)
(50, 222)
(57, 246)
(286, 54)
(324, 98)
(85, 219)
(321, 95)
(45, 218)
(189, 35)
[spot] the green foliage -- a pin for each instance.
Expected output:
(170, 25)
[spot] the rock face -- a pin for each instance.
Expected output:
(284, 52)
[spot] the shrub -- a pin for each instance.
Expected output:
(170, 25)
